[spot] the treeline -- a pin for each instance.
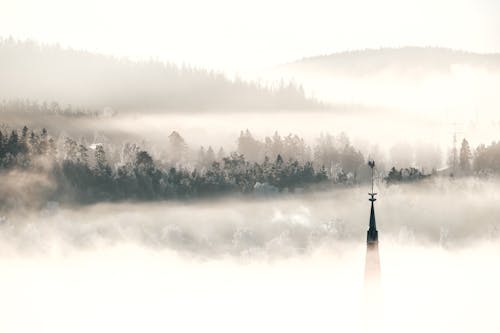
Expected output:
(21, 150)
(487, 159)
(335, 154)
(87, 172)
(26, 106)
(462, 162)
(405, 175)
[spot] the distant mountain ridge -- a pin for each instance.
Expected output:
(38, 72)
(409, 60)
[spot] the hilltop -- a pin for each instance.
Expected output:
(404, 60)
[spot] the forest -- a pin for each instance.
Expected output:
(87, 172)
(91, 173)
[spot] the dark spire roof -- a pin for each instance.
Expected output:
(372, 234)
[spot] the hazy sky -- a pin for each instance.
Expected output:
(230, 34)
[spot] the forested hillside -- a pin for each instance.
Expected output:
(87, 80)
(404, 60)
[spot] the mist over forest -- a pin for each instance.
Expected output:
(63, 76)
(439, 84)
(156, 196)
(87, 134)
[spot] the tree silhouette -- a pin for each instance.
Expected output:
(465, 157)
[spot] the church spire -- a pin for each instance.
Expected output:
(372, 295)
(372, 233)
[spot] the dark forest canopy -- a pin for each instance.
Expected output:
(47, 72)
(82, 171)
(404, 60)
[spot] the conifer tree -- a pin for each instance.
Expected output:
(44, 143)
(13, 143)
(465, 157)
(101, 168)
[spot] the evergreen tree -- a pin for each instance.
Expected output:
(177, 147)
(34, 144)
(23, 141)
(70, 149)
(279, 160)
(144, 163)
(102, 167)
(13, 146)
(52, 148)
(44, 143)
(83, 156)
(465, 157)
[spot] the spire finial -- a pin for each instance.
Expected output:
(371, 164)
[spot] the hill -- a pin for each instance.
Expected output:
(437, 83)
(405, 60)
(51, 73)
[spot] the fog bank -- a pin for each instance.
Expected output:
(444, 212)
(277, 264)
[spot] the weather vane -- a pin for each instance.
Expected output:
(371, 164)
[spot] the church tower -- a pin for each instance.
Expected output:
(372, 293)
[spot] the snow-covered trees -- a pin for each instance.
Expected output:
(102, 171)
(84, 173)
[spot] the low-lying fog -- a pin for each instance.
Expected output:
(283, 263)
(463, 92)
